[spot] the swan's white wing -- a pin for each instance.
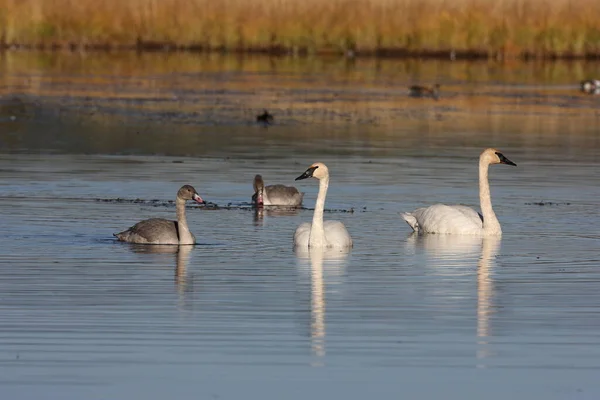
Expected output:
(441, 218)
(302, 235)
(469, 213)
(336, 234)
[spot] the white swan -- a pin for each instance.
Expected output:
(321, 234)
(164, 231)
(458, 219)
(275, 195)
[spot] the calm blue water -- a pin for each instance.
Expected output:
(241, 315)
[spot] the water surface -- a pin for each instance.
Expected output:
(241, 315)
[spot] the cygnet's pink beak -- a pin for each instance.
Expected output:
(196, 197)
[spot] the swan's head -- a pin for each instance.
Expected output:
(259, 188)
(317, 170)
(494, 156)
(258, 183)
(187, 192)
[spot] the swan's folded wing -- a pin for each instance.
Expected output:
(283, 195)
(336, 233)
(154, 225)
(302, 235)
(151, 231)
(469, 212)
(441, 218)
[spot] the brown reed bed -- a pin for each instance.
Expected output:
(441, 28)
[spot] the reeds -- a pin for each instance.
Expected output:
(488, 28)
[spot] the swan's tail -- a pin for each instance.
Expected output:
(411, 220)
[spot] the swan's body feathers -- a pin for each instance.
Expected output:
(463, 220)
(152, 231)
(164, 231)
(441, 218)
(281, 195)
(336, 234)
(302, 234)
(275, 195)
(319, 233)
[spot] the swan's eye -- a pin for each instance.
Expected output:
(308, 173)
(311, 170)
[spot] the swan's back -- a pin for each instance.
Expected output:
(336, 234)
(281, 195)
(151, 231)
(441, 218)
(302, 235)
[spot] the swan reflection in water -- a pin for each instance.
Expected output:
(335, 261)
(263, 213)
(452, 251)
(182, 259)
(485, 291)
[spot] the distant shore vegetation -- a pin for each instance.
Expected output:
(498, 29)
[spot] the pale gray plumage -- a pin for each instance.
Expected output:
(163, 231)
(275, 195)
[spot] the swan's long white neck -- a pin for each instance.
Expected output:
(185, 236)
(491, 225)
(317, 232)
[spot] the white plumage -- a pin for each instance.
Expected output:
(318, 233)
(458, 219)
(336, 234)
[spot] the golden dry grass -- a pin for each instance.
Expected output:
(494, 28)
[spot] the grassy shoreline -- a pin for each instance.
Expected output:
(504, 29)
(399, 53)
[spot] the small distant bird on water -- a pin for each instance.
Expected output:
(590, 86)
(424, 91)
(265, 118)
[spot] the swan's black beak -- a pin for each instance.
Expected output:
(504, 160)
(307, 174)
